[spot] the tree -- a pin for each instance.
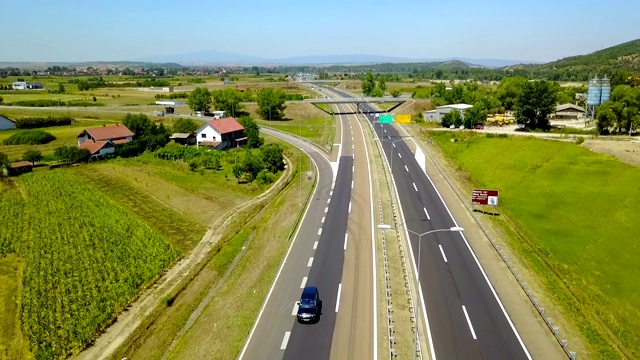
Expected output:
(382, 85)
(199, 99)
(32, 155)
(509, 89)
(620, 113)
(395, 92)
(72, 154)
(185, 125)
(475, 115)
(452, 118)
(252, 131)
(271, 103)
(377, 92)
(139, 124)
(368, 84)
(228, 100)
(1, 99)
(272, 157)
(535, 103)
(61, 88)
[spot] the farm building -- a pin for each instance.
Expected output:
(20, 167)
(117, 134)
(6, 123)
(169, 105)
(569, 112)
(183, 138)
(99, 149)
(221, 134)
(437, 114)
(23, 85)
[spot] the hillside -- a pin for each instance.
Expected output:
(619, 62)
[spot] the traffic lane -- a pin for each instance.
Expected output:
(347, 133)
(313, 341)
(275, 318)
(499, 339)
(449, 330)
(354, 333)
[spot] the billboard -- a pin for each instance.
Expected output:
(403, 118)
(484, 197)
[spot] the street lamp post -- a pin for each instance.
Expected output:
(417, 312)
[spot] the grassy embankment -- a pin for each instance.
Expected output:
(574, 216)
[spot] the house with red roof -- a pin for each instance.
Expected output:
(221, 134)
(103, 140)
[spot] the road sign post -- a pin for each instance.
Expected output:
(484, 197)
(386, 118)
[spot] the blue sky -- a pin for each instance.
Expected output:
(542, 30)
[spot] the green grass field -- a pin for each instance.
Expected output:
(578, 213)
(319, 130)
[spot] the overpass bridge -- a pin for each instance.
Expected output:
(360, 100)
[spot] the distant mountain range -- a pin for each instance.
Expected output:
(212, 57)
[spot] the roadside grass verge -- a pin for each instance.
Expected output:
(573, 211)
(12, 343)
(326, 107)
(320, 131)
(386, 106)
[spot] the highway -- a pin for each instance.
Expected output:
(465, 317)
(331, 250)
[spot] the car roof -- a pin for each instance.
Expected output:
(309, 291)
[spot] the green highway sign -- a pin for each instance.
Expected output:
(386, 118)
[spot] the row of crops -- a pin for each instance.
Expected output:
(87, 259)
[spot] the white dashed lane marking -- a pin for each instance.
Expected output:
(441, 250)
(406, 168)
(315, 245)
(414, 186)
(320, 231)
(310, 262)
(285, 340)
(345, 240)
(304, 282)
(426, 213)
(473, 333)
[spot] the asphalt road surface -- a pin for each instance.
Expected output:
(465, 317)
(332, 250)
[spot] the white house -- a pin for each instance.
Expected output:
(437, 114)
(221, 134)
(219, 114)
(6, 123)
(19, 85)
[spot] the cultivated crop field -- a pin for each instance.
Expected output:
(86, 258)
(578, 214)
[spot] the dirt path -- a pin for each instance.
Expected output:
(171, 282)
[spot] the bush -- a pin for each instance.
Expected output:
(579, 140)
(72, 154)
(265, 178)
(38, 122)
(29, 137)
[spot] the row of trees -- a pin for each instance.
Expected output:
(270, 101)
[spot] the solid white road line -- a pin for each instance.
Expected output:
(315, 245)
(426, 213)
(338, 300)
(406, 168)
(310, 262)
(320, 231)
(441, 250)
(414, 186)
(295, 308)
(322, 221)
(346, 236)
(304, 282)
(285, 340)
(326, 209)
(473, 333)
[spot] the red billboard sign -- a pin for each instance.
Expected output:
(484, 197)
